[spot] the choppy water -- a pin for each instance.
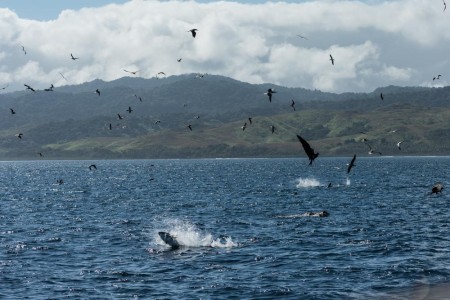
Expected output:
(243, 223)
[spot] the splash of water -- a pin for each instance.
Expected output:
(188, 235)
(347, 182)
(307, 182)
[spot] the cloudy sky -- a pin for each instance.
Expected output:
(374, 43)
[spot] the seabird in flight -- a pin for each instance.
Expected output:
(23, 49)
(179, 60)
(302, 37)
(381, 96)
(437, 77)
(193, 32)
(50, 89)
(269, 93)
(12, 111)
(398, 145)
(73, 58)
(245, 126)
(293, 104)
(97, 91)
(189, 126)
(19, 135)
(129, 110)
(351, 164)
(272, 128)
(62, 76)
(119, 116)
(371, 151)
(29, 88)
(250, 120)
(131, 72)
(308, 150)
(332, 59)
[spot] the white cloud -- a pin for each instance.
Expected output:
(393, 42)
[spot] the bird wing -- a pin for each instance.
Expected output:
(308, 150)
(351, 163)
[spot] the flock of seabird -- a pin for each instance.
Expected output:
(312, 155)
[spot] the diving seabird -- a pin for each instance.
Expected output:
(29, 88)
(308, 150)
(351, 164)
(193, 32)
(92, 167)
(332, 59)
(73, 58)
(269, 94)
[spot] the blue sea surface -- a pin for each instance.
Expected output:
(243, 224)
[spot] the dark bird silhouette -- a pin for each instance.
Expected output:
(190, 127)
(332, 59)
(97, 91)
(160, 73)
(29, 88)
(157, 122)
(398, 145)
(293, 104)
(50, 89)
(73, 58)
(250, 120)
(131, 72)
(437, 188)
(137, 97)
(92, 167)
(437, 77)
(179, 60)
(110, 126)
(59, 181)
(199, 75)
(308, 150)
(40, 154)
(129, 110)
(381, 96)
(245, 126)
(445, 5)
(269, 93)
(4, 88)
(19, 135)
(302, 37)
(351, 164)
(193, 32)
(272, 128)
(119, 117)
(23, 49)
(13, 112)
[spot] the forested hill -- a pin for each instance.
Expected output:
(76, 122)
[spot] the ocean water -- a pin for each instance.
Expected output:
(243, 224)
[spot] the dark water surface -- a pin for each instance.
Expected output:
(242, 222)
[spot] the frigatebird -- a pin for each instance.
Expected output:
(29, 88)
(308, 150)
(129, 110)
(332, 59)
(351, 164)
(193, 32)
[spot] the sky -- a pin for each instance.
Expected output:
(374, 43)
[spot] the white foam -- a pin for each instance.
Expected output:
(307, 182)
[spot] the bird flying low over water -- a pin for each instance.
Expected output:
(73, 57)
(193, 32)
(332, 59)
(244, 126)
(269, 94)
(19, 135)
(437, 77)
(92, 167)
(29, 88)
(351, 164)
(308, 150)
(371, 151)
